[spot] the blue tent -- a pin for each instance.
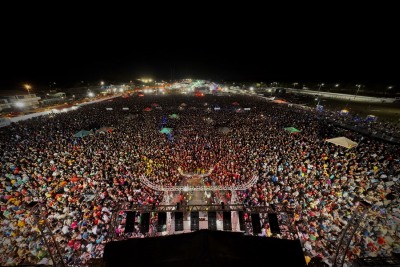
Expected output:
(164, 119)
(170, 137)
(370, 118)
(83, 133)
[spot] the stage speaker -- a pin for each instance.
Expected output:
(130, 221)
(194, 221)
(255, 222)
(144, 222)
(227, 224)
(178, 221)
(161, 221)
(223, 205)
(212, 221)
(241, 221)
(273, 223)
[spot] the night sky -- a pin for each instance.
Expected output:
(105, 48)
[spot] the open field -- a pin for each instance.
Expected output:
(386, 111)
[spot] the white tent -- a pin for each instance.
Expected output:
(342, 141)
(224, 130)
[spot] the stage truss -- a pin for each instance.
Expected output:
(171, 209)
(40, 213)
(185, 188)
(358, 218)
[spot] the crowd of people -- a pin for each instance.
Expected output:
(80, 181)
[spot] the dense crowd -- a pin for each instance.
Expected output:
(82, 180)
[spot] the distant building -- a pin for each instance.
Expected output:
(20, 101)
(54, 98)
(59, 95)
(4, 104)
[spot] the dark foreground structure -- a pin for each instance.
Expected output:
(204, 248)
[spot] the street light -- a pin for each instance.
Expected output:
(320, 85)
(337, 85)
(28, 88)
(101, 83)
(388, 88)
(319, 100)
(355, 95)
(358, 89)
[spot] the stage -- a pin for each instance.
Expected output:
(204, 248)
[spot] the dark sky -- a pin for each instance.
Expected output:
(67, 49)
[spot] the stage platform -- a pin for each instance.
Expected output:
(204, 248)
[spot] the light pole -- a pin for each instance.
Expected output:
(28, 88)
(320, 85)
(358, 89)
(388, 88)
(319, 98)
(355, 95)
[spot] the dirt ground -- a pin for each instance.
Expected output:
(385, 111)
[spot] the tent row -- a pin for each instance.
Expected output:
(83, 133)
